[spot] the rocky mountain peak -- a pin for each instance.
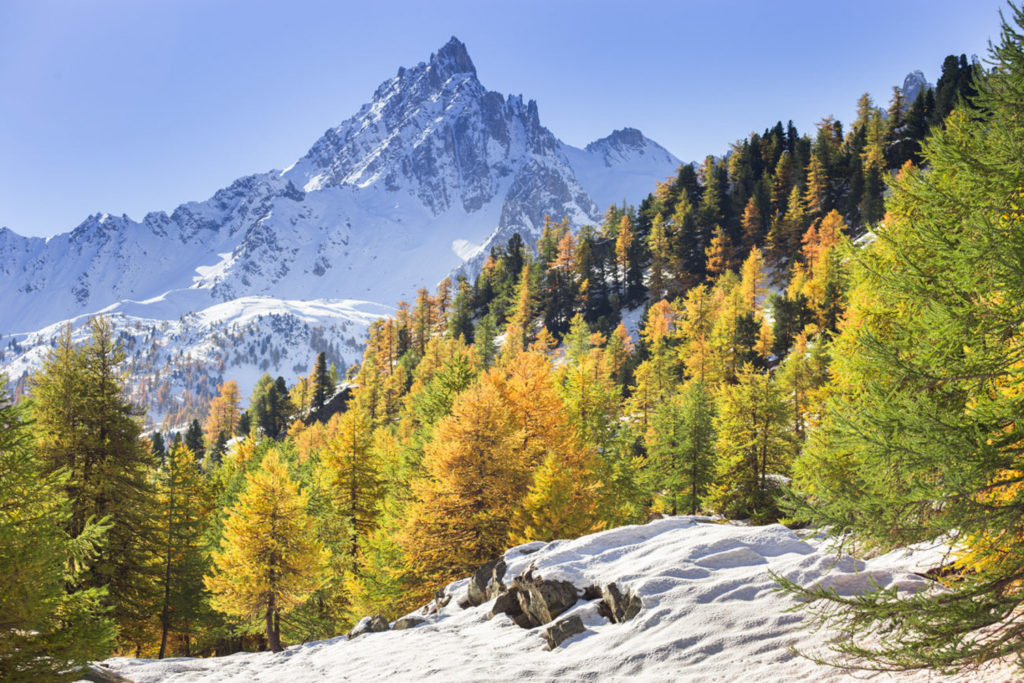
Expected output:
(625, 137)
(913, 84)
(452, 59)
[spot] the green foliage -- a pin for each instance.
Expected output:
(194, 439)
(87, 429)
(682, 448)
(51, 628)
(183, 500)
(754, 446)
(322, 387)
(921, 437)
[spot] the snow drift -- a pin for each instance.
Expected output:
(710, 612)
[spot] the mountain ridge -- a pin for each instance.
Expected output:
(420, 182)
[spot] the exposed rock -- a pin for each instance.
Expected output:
(507, 603)
(566, 628)
(440, 600)
(496, 584)
(374, 624)
(407, 622)
(97, 673)
(485, 583)
(617, 607)
(591, 592)
(542, 600)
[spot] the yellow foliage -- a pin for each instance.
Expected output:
(269, 559)
(223, 416)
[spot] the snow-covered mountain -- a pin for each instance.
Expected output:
(913, 84)
(709, 611)
(425, 177)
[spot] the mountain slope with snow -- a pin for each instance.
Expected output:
(175, 364)
(709, 612)
(425, 177)
(382, 204)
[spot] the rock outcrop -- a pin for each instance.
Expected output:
(562, 630)
(374, 624)
(618, 607)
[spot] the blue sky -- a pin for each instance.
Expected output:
(127, 106)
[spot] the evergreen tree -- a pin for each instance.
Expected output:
(194, 439)
(689, 240)
(322, 387)
(269, 560)
(460, 321)
(86, 428)
(485, 343)
(244, 423)
(158, 447)
(921, 434)
(682, 447)
(52, 628)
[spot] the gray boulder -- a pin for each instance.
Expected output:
(485, 583)
(407, 622)
(560, 631)
(507, 603)
(374, 624)
(542, 600)
(440, 600)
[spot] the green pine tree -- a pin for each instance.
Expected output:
(51, 628)
(682, 447)
(86, 428)
(183, 499)
(921, 438)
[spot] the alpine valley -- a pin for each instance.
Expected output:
(266, 273)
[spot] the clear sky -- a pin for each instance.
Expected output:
(127, 106)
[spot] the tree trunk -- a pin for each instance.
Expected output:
(273, 638)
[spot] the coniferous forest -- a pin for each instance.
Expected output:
(816, 327)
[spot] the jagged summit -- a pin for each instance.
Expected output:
(453, 59)
(913, 84)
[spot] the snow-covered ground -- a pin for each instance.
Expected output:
(710, 613)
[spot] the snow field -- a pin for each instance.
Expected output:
(710, 613)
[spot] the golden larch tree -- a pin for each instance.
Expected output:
(270, 560)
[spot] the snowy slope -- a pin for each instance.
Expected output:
(423, 178)
(175, 363)
(709, 613)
